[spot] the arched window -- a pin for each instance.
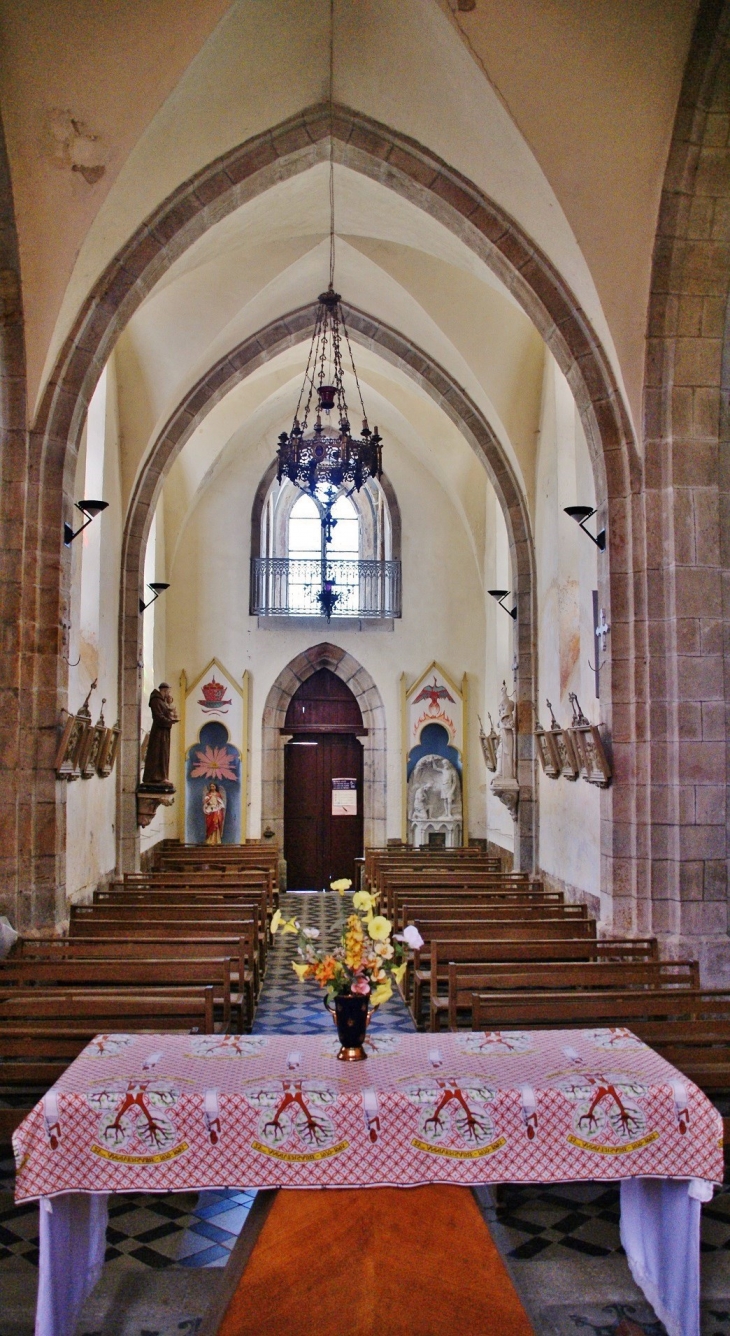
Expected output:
(344, 539)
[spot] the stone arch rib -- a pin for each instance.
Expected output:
(219, 380)
(285, 150)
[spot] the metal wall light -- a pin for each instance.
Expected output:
(501, 595)
(157, 587)
(88, 508)
(582, 513)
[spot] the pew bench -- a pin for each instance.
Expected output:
(464, 978)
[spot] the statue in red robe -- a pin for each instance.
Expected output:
(214, 811)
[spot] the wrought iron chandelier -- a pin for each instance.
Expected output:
(326, 452)
(323, 451)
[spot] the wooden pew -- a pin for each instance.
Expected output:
(490, 894)
(227, 879)
(142, 972)
(465, 977)
(474, 907)
(389, 887)
(241, 950)
(223, 920)
(688, 1027)
(42, 1031)
(461, 941)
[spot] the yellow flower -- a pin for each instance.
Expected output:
(300, 970)
(382, 993)
(399, 972)
(363, 901)
(379, 928)
(275, 921)
(291, 925)
(342, 885)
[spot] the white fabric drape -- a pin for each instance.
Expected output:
(660, 1232)
(72, 1247)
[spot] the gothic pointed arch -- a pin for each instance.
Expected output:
(369, 700)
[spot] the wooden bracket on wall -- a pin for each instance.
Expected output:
(149, 798)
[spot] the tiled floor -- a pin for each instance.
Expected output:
(561, 1243)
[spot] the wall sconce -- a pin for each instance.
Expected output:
(89, 508)
(157, 587)
(501, 595)
(582, 513)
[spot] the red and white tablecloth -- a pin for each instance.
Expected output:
(167, 1113)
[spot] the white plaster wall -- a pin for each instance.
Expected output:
(569, 848)
(91, 803)
(500, 642)
(443, 612)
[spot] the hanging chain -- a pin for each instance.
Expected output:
(352, 364)
(332, 158)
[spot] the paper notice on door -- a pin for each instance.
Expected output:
(344, 797)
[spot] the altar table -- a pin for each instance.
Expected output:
(178, 1113)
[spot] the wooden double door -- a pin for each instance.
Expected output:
(320, 842)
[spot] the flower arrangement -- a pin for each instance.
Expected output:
(368, 958)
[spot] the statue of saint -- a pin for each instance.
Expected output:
(214, 811)
(157, 760)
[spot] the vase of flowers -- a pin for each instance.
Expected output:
(357, 974)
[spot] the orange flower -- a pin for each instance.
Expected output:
(325, 971)
(354, 942)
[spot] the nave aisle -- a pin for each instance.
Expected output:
(165, 1254)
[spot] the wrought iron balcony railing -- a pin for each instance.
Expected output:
(283, 587)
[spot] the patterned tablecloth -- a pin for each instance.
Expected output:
(141, 1113)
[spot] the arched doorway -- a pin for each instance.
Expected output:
(323, 782)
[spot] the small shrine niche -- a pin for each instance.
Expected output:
(434, 710)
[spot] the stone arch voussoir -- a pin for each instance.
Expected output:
(218, 381)
(219, 188)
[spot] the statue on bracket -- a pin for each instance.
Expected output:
(505, 785)
(155, 788)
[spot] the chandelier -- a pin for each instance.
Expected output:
(320, 449)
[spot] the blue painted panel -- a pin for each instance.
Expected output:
(213, 761)
(434, 740)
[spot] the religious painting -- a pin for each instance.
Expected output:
(567, 755)
(594, 764)
(108, 751)
(73, 738)
(213, 788)
(547, 751)
(214, 736)
(588, 745)
(489, 744)
(91, 748)
(434, 714)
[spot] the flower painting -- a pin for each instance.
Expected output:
(214, 763)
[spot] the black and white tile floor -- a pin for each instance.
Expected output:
(561, 1243)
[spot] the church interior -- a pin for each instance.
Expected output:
(364, 519)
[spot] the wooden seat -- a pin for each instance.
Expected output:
(460, 941)
(465, 977)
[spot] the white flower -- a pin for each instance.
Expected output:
(384, 949)
(412, 937)
(310, 932)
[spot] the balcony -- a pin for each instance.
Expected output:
(367, 590)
